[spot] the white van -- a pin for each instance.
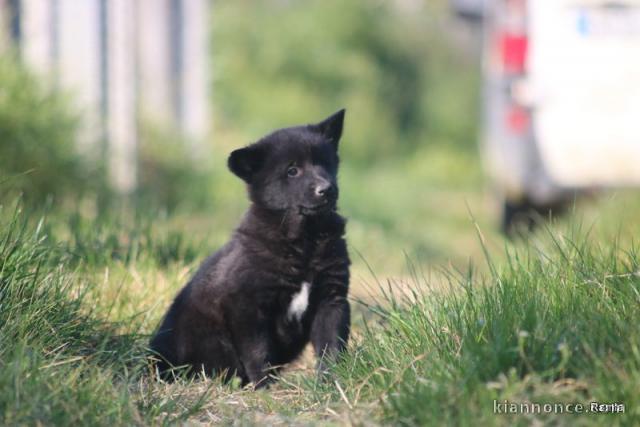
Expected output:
(561, 98)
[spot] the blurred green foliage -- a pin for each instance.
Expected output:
(40, 156)
(169, 175)
(280, 63)
(410, 92)
(38, 129)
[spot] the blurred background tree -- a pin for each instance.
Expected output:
(390, 63)
(38, 130)
(399, 67)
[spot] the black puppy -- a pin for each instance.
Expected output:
(282, 280)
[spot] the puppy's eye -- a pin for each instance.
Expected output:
(293, 171)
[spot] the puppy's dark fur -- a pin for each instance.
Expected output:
(244, 311)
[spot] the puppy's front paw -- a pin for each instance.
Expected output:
(324, 373)
(264, 382)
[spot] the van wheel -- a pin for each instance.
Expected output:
(522, 217)
(517, 218)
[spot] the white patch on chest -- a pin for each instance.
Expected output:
(299, 302)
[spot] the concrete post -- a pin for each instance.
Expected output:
(154, 77)
(121, 121)
(195, 82)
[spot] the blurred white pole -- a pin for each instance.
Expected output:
(79, 63)
(37, 41)
(154, 68)
(195, 72)
(4, 26)
(121, 117)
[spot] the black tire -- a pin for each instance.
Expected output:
(523, 216)
(516, 218)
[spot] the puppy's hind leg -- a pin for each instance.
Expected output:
(256, 354)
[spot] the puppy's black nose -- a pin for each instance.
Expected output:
(324, 189)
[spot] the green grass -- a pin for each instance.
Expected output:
(550, 320)
(61, 361)
(552, 324)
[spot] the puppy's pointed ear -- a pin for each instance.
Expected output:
(245, 162)
(331, 127)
